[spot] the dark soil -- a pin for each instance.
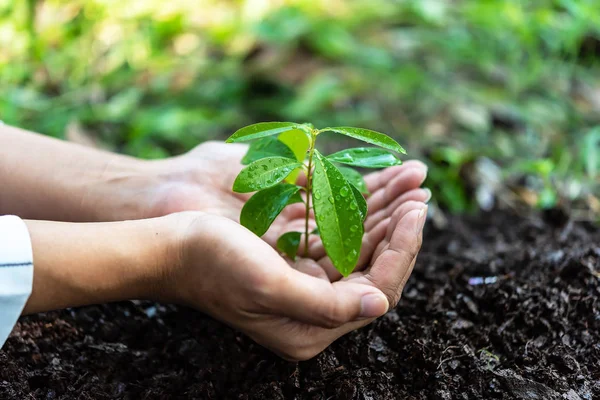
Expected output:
(533, 334)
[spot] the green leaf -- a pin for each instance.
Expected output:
(369, 136)
(366, 157)
(315, 231)
(298, 142)
(338, 216)
(262, 129)
(355, 178)
(288, 244)
(361, 202)
(267, 147)
(296, 198)
(263, 207)
(264, 173)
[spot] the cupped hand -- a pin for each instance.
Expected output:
(296, 311)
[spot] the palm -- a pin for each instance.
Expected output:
(210, 169)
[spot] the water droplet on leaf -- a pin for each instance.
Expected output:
(351, 255)
(344, 191)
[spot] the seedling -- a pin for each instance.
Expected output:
(282, 150)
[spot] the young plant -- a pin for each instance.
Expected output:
(280, 151)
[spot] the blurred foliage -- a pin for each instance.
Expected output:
(497, 96)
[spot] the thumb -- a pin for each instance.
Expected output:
(316, 301)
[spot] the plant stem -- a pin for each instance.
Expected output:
(309, 172)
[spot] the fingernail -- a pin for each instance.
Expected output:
(424, 167)
(373, 305)
(424, 175)
(428, 195)
(421, 220)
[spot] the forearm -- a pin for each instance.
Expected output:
(89, 263)
(45, 178)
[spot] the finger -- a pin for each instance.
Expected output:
(393, 266)
(422, 195)
(399, 214)
(403, 181)
(318, 302)
(377, 180)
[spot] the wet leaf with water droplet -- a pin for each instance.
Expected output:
(355, 178)
(263, 207)
(267, 147)
(264, 173)
(366, 157)
(360, 202)
(368, 136)
(334, 218)
(288, 244)
(260, 130)
(353, 254)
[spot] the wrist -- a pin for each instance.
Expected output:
(132, 188)
(190, 247)
(122, 190)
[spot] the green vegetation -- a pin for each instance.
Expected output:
(501, 98)
(337, 202)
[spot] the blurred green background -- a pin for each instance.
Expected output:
(500, 98)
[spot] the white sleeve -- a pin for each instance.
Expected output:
(16, 272)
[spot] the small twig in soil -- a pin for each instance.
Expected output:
(442, 361)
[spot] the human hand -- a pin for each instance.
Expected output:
(296, 311)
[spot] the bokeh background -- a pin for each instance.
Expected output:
(500, 98)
